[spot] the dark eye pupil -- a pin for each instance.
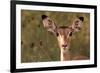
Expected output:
(70, 34)
(57, 34)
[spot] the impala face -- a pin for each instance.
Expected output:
(64, 36)
(62, 33)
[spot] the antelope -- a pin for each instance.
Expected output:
(63, 34)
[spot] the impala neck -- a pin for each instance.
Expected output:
(65, 55)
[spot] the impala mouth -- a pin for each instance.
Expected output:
(64, 48)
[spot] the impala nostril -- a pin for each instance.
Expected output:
(64, 45)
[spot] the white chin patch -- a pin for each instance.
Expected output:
(65, 49)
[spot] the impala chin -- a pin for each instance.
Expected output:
(65, 49)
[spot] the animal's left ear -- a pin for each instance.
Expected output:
(77, 24)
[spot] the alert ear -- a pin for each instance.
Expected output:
(81, 18)
(49, 24)
(77, 23)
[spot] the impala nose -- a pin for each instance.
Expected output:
(64, 45)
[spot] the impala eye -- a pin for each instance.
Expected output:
(57, 34)
(70, 34)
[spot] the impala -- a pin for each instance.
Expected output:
(63, 34)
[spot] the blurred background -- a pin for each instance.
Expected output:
(39, 45)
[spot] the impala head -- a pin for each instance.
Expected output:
(64, 36)
(63, 33)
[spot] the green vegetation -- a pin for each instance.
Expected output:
(39, 45)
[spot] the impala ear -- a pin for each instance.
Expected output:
(81, 18)
(77, 24)
(48, 23)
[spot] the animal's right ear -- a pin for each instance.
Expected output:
(48, 23)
